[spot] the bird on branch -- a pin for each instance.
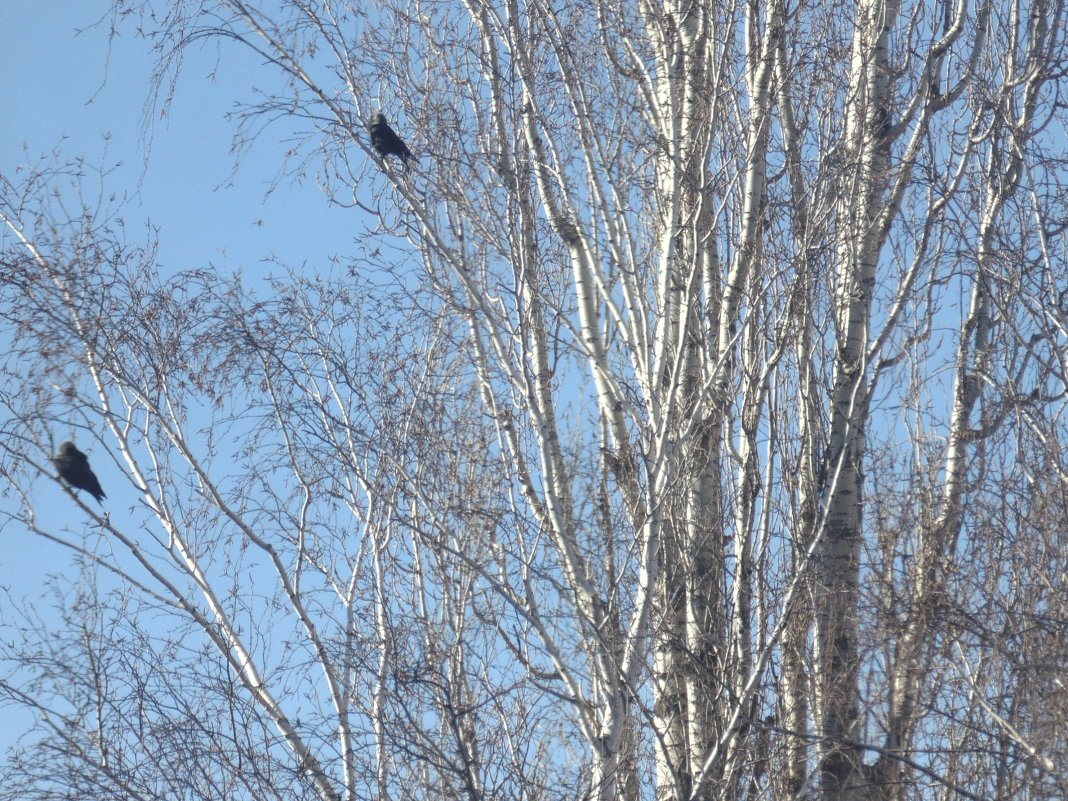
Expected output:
(73, 467)
(385, 141)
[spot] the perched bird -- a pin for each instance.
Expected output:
(385, 141)
(73, 467)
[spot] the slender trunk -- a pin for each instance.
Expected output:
(837, 565)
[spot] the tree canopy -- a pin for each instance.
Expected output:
(689, 426)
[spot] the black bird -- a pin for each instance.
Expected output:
(385, 140)
(73, 467)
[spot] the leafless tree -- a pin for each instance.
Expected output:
(703, 439)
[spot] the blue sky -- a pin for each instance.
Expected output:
(86, 97)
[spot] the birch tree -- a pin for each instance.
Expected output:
(716, 453)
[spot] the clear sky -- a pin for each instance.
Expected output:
(86, 96)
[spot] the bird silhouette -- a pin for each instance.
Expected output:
(385, 140)
(73, 467)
